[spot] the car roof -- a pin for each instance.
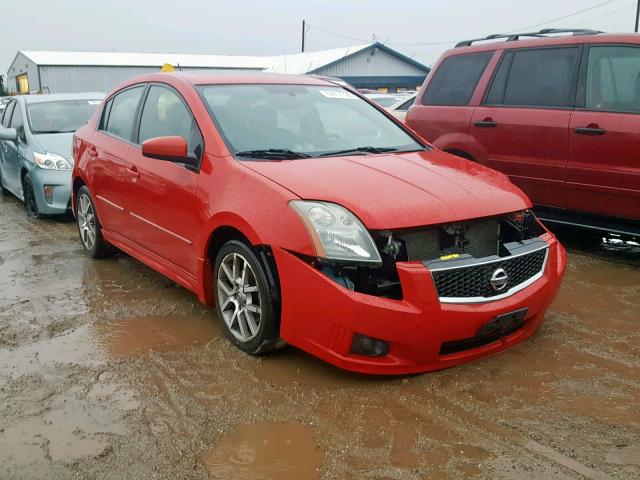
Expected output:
(57, 97)
(231, 78)
(529, 42)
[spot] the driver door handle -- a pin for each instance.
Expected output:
(486, 123)
(133, 172)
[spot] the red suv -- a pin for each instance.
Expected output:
(309, 215)
(559, 114)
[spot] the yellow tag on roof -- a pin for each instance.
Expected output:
(167, 67)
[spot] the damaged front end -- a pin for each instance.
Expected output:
(461, 257)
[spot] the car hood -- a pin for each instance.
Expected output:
(59, 143)
(399, 190)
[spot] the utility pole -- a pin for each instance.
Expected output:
(637, 16)
(304, 29)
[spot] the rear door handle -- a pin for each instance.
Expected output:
(133, 172)
(590, 131)
(92, 152)
(486, 123)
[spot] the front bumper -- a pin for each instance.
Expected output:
(321, 317)
(60, 180)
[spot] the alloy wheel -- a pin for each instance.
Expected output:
(239, 297)
(86, 221)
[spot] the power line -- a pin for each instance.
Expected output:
(449, 42)
(605, 15)
(563, 17)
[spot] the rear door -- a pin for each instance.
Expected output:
(523, 122)
(160, 194)
(603, 176)
(110, 149)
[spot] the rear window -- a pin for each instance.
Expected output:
(455, 80)
(60, 116)
(121, 112)
(536, 78)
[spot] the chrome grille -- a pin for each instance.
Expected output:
(471, 283)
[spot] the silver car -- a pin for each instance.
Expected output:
(35, 148)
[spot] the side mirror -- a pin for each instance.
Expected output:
(8, 134)
(170, 149)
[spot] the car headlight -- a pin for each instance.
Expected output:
(336, 232)
(52, 161)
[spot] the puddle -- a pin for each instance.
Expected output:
(283, 451)
(135, 337)
(294, 366)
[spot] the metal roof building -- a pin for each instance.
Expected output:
(373, 65)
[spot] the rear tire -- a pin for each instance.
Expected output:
(89, 226)
(30, 202)
(244, 301)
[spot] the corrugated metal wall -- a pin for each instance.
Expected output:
(20, 65)
(371, 62)
(73, 79)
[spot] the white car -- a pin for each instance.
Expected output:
(401, 107)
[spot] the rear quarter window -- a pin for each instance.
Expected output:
(454, 82)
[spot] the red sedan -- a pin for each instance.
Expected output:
(309, 216)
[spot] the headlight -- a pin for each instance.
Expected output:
(52, 161)
(336, 232)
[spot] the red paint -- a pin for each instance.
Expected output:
(538, 147)
(164, 215)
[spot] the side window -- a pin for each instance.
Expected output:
(165, 114)
(538, 78)
(123, 111)
(105, 115)
(455, 80)
(613, 79)
(6, 117)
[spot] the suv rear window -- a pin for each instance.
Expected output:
(454, 82)
(536, 78)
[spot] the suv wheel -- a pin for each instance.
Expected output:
(30, 202)
(89, 225)
(244, 301)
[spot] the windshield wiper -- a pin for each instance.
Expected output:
(359, 150)
(272, 153)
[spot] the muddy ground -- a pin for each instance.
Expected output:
(108, 370)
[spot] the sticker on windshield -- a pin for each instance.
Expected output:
(94, 102)
(343, 94)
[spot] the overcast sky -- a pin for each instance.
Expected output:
(256, 27)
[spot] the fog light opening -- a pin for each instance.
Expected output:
(369, 346)
(48, 194)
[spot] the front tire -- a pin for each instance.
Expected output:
(3, 191)
(30, 203)
(244, 301)
(89, 226)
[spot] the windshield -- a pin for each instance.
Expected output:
(63, 116)
(298, 121)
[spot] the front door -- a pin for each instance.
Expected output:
(603, 175)
(160, 194)
(524, 120)
(13, 151)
